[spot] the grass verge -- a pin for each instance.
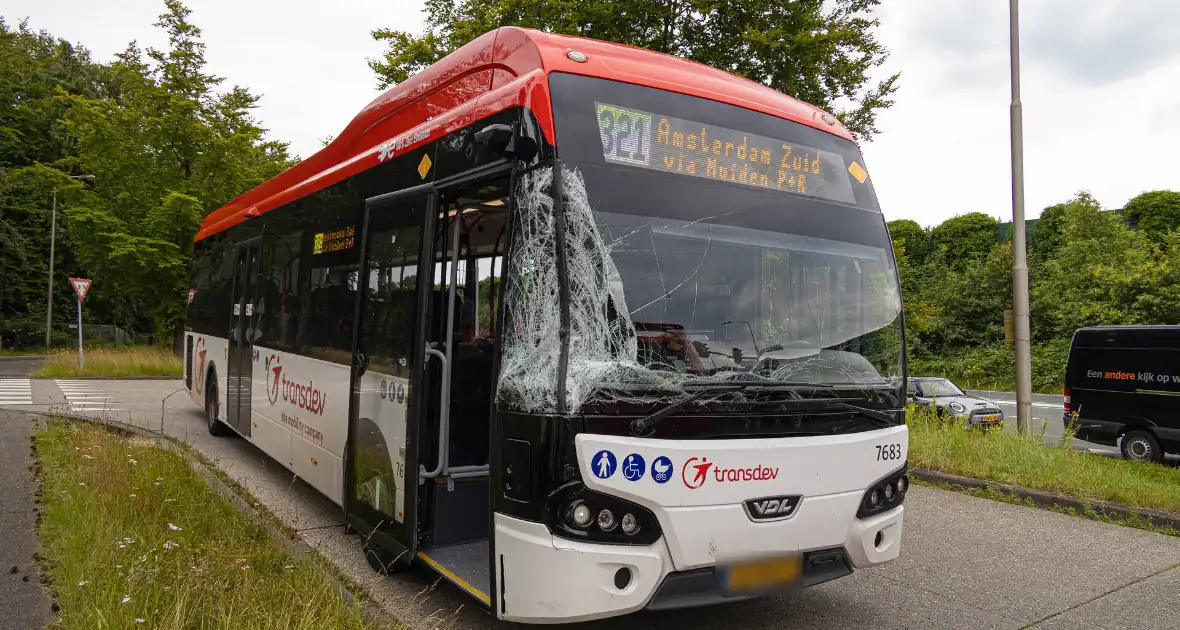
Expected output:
(133, 537)
(1029, 463)
(133, 361)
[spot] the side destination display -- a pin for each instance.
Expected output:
(637, 138)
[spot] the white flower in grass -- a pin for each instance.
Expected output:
(81, 483)
(174, 528)
(87, 457)
(169, 500)
(169, 545)
(131, 496)
(159, 479)
(126, 598)
(138, 620)
(132, 462)
(83, 582)
(245, 567)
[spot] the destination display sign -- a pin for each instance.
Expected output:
(334, 241)
(664, 143)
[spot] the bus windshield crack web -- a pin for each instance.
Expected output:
(605, 361)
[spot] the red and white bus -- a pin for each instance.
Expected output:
(557, 295)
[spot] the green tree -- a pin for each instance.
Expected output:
(820, 52)
(167, 148)
(964, 239)
(36, 152)
(913, 238)
(1157, 213)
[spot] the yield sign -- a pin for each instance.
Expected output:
(81, 286)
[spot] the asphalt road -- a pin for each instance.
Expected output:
(1048, 411)
(966, 562)
(18, 367)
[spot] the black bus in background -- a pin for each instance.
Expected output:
(1124, 382)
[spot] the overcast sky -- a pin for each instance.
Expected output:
(1101, 87)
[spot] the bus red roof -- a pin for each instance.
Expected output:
(500, 69)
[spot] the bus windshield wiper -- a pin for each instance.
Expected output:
(640, 426)
(874, 414)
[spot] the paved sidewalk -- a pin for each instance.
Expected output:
(24, 603)
(966, 562)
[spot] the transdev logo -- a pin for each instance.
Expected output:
(306, 397)
(274, 373)
(699, 472)
(696, 472)
(200, 352)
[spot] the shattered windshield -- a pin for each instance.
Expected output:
(679, 281)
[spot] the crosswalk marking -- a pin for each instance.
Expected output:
(16, 391)
(85, 396)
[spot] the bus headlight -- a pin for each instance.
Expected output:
(577, 513)
(606, 520)
(885, 494)
(580, 514)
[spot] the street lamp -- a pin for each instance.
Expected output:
(1019, 247)
(52, 236)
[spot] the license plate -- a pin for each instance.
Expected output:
(990, 419)
(762, 575)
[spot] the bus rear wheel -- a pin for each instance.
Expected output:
(216, 426)
(1141, 446)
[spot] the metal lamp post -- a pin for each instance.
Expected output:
(1019, 246)
(52, 237)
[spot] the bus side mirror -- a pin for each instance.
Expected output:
(737, 356)
(503, 140)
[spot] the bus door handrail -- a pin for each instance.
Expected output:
(444, 414)
(444, 407)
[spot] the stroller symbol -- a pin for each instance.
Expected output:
(661, 469)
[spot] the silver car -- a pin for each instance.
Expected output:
(945, 397)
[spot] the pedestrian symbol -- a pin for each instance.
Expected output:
(634, 467)
(603, 464)
(661, 469)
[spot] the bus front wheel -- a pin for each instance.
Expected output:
(1141, 446)
(380, 560)
(216, 426)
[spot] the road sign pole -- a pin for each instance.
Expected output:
(80, 366)
(81, 287)
(1019, 252)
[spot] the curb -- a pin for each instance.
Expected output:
(371, 611)
(1163, 520)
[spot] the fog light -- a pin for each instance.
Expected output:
(903, 484)
(630, 524)
(606, 520)
(580, 515)
(875, 498)
(889, 492)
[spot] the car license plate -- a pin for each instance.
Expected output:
(990, 419)
(762, 575)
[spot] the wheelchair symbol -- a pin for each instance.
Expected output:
(634, 467)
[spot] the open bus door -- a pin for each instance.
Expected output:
(388, 372)
(417, 475)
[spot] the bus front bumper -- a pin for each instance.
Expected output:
(544, 579)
